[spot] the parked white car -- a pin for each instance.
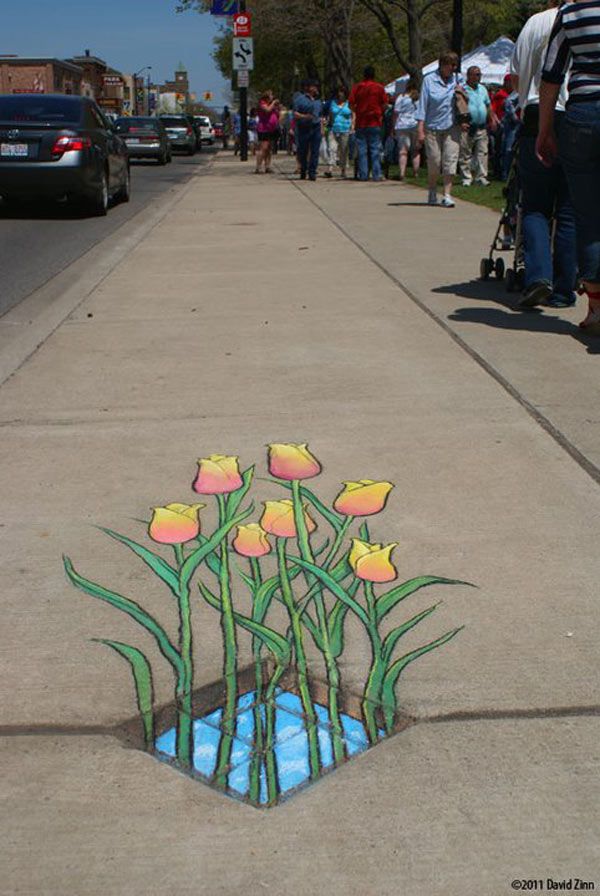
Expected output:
(207, 132)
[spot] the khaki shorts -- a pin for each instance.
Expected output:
(442, 150)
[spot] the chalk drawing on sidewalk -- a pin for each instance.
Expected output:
(279, 723)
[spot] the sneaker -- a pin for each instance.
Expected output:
(312, 176)
(482, 182)
(535, 294)
(465, 183)
(558, 301)
(432, 198)
(447, 202)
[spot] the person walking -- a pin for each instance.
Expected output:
(227, 126)
(308, 114)
(341, 125)
(405, 128)
(267, 130)
(474, 140)
(547, 212)
(575, 42)
(436, 127)
(368, 101)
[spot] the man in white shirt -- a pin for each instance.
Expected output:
(550, 270)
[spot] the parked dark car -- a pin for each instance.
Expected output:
(180, 132)
(145, 137)
(52, 146)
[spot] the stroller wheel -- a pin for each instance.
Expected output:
(486, 266)
(499, 269)
(510, 280)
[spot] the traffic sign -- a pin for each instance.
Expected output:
(243, 54)
(224, 7)
(243, 78)
(242, 25)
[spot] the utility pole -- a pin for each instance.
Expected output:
(243, 111)
(457, 29)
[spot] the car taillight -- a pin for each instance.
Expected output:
(189, 131)
(70, 144)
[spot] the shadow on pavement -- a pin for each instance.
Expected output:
(533, 320)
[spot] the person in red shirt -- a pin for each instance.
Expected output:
(368, 101)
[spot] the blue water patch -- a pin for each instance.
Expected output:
(291, 743)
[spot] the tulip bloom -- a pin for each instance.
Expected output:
(278, 519)
(217, 475)
(175, 523)
(362, 498)
(371, 562)
(292, 462)
(251, 541)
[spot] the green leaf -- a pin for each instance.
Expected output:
(132, 609)
(248, 580)
(387, 602)
(263, 597)
(332, 518)
(236, 498)
(393, 673)
(335, 624)
(212, 560)
(194, 560)
(364, 532)
(142, 676)
(336, 589)
(396, 633)
(276, 643)
(156, 563)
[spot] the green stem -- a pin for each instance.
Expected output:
(270, 757)
(301, 664)
(256, 763)
(333, 674)
(338, 542)
(185, 682)
(229, 653)
(372, 692)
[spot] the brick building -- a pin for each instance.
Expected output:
(24, 74)
(180, 87)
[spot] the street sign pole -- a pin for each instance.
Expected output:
(243, 110)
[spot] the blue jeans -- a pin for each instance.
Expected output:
(580, 154)
(309, 144)
(546, 195)
(368, 145)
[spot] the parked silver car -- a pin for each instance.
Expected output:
(180, 132)
(145, 138)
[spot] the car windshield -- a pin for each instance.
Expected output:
(39, 109)
(136, 126)
(205, 122)
(174, 122)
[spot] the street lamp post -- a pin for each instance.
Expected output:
(243, 111)
(135, 77)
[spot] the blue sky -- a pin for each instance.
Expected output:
(128, 34)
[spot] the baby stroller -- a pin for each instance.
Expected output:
(509, 231)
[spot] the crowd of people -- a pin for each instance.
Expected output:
(542, 123)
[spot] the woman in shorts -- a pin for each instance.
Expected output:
(267, 129)
(405, 128)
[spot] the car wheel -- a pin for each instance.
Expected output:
(124, 194)
(98, 204)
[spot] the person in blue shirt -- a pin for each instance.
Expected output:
(340, 119)
(474, 140)
(436, 127)
(308, 113)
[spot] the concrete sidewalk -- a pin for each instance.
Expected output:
(247, 315)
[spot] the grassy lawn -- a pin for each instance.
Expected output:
(491, 196)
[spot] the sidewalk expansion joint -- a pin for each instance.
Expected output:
(476, 715)
(561, 440)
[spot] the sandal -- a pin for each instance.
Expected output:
(591, 323)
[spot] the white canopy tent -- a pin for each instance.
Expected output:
(493, 60)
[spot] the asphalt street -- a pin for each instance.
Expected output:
(39, 241)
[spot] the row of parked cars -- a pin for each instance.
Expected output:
(54, 146)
